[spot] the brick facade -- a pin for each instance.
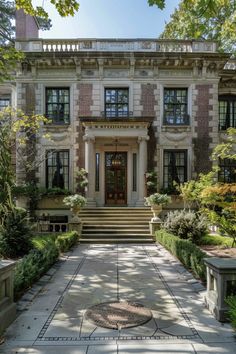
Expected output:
(85, 99)
(203, 139)
(148, 100)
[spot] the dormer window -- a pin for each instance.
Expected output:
(116, 102)
(227, 112)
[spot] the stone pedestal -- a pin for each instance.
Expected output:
(155, 226)
(221, 283)
(75, 224)
(7, 306)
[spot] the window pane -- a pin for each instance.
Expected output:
(57, 105)
(57, 169)
(227, 112)
(227, 173)
(175, 168)
(116, 102)
(175, 106)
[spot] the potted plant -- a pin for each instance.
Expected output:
(156, 201)
(75, 202)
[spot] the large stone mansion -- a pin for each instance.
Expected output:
(122, 107)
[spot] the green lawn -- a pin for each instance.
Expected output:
(216, 240)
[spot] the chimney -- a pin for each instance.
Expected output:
(26, 26)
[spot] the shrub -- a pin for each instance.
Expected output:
(15, 235)
(187, 225)
(216, 240)
(189, 254)
(32, 266)
(231, 301)
(65, 241)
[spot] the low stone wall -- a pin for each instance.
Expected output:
(7, 306)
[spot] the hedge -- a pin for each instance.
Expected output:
(32, 266)
(189, 254)
(231, 301)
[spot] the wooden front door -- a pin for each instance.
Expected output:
(116, 178)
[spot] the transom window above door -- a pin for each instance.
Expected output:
(116, 102)
(58, 105)
(176, 106)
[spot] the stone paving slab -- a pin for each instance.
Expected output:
(54, 320)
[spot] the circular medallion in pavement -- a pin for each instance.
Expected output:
(118, 314)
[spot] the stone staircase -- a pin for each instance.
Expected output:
(115, 225)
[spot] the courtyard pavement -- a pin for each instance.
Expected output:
(52, 314)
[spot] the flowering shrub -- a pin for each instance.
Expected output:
(75, 201)
(157, 199)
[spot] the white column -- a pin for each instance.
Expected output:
(142, 169)
(90, 168)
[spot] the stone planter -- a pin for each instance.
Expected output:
(52, 202)
(156, 210)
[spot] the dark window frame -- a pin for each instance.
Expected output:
(172, 169)
(56, 117)
(49, 184)
(117, 113)
(5, 98)
(227, 172)
(227, 119)
(175, 119)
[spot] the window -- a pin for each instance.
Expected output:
(227, 112)
(97, 167)
(176, 106)
(58, 105)
(57, 169)
(4, 102)
(175, 167)
(116, 102)
(227, 173)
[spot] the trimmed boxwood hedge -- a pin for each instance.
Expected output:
(45, 253)
(189, 254)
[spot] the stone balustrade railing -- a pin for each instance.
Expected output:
(115, 45)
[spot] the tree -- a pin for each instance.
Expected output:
(204, 19)
(17, 134)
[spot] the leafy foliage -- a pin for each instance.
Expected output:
(187, 225)
(204, 19)
(189, 254)
(64, 7)
(40, 259)
(157, 199)
(15, 235)
(216, 240)
(231, 301)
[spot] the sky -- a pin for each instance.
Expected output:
(109, 19)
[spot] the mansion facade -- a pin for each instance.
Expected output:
(122, 107)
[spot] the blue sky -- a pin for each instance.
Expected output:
(110, 19)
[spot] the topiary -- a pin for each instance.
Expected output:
(15, 235)
(187, 225)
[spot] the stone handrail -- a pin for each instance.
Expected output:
(115, 45)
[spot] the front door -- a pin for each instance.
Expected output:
(116, 178)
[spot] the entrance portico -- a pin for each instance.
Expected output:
(116, 162)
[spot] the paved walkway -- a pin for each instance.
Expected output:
(54, 321)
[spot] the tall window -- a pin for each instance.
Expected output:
(4, 102)
(176, 106)
(57, 169)
(227, 173)
(58, 105)
(116, 102)
(175, 167)
(227, 112)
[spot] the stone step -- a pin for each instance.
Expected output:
(115, 232)
(117, 240)
(113, 225)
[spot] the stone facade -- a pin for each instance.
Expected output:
(104, 77)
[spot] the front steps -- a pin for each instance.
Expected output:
(116, 225)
